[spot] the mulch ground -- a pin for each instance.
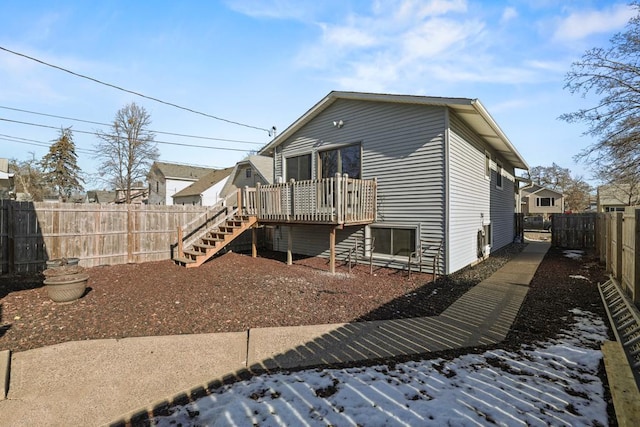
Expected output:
(234, 292)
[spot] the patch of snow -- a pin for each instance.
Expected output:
(577, 276)
(573, 254)
(554, 383)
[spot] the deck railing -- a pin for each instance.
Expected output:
(337, 200)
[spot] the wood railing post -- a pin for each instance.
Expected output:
(180, 243)
(258, 201)
(239, 195)
(375, 198)
(337, 197)
(292, 202)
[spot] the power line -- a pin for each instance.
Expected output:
(36, 143)
(133, 92)
(157, 142)
(154, 131)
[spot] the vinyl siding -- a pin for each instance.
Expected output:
(474, 199)
(469, 200)
(402, 146)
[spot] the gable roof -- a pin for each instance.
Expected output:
(535, 188)
(204, 183)
(101, 196)
(178, 171)
(471, 111)
(263, 165)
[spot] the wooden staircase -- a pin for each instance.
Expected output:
(214, 241)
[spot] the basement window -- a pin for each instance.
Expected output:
(395, 241)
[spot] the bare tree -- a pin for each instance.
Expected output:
(60, 166)
(577, 195)
(613, 74)
(28, 178)
(127, 152)
(553, 177)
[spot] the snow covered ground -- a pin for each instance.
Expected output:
(553, 383)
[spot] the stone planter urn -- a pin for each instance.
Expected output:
(64, 281)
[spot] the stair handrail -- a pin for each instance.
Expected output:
(421, 252)
(199, 226)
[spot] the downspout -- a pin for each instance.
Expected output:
(447, 202)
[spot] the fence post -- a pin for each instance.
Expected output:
(607, 239)
(618, 248)
(635, 291)
(11, 238)
(129, 234)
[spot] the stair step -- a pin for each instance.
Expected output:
(184, 260)
(192, 252)
(204, 246)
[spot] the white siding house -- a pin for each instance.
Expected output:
(444, 170)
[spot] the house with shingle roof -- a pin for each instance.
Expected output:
(167, 179)
(205, 191)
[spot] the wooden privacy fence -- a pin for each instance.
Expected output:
(574, 231)
(614, 236)
(31, 233)
(618, 237)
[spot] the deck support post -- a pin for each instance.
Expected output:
(254, 242)
(290, 246)
(332, 250)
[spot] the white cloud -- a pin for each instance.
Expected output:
(347, 37)
(275, 9)
(509, 14)
(582, 24)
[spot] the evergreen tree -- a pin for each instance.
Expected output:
(60, 166)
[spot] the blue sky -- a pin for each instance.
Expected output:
(263, 63)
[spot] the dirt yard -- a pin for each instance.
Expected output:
(234, 292)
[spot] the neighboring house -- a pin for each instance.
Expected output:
(7, 187)
(541, 201)
(444, 174)
(100, 196)
(248, 173)
(139, 194)
(615, 197)
(166, 179)
(205, 191)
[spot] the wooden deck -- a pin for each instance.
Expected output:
(339, 201)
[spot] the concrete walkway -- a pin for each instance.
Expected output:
(103, 381)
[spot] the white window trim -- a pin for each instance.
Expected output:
(487, 165)
(377, 255)
(499, 173)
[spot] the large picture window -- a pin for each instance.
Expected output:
(394, 241)
(299, 167)
(341, 160)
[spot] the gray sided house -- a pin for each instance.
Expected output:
(444, 175)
